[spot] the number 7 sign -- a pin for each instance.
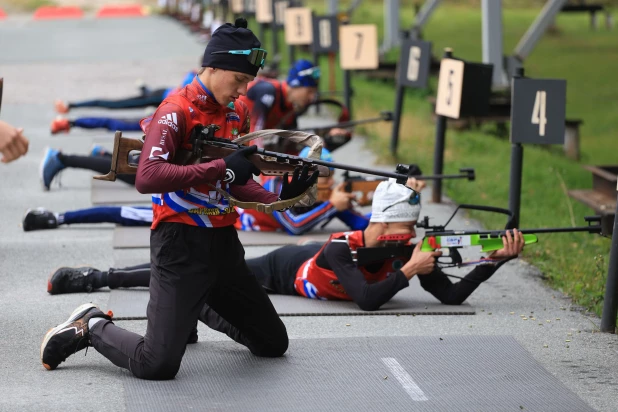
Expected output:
(538, 111)
(358, 46)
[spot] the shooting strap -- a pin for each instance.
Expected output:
(279, 205)
(305, 199)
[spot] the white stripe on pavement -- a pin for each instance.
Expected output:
(405, 379)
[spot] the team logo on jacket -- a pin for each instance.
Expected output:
(229, 176)
(191, 112)
(232, 117)
(234, 132)
(171, 120)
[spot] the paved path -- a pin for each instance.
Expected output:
(42, 61)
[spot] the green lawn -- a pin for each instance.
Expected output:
(573, 263)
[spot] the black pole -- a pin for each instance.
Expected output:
(610, 301)
(438, 155)
(347, 90)
(397, 119)
(517, 161)
(316, 63)
(292, 54)
(273, 29)
(262, 28)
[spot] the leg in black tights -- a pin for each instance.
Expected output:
(100, 164)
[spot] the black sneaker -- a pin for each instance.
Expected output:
(69, 337)
(193, 336)
(72, 280)
(39, 218)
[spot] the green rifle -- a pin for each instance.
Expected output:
(437, 237)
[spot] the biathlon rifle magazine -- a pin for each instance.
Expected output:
(205, 147)
(439, 238)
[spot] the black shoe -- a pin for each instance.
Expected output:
(39, 218)
(72, 280)
(193, 336)
(69, 337)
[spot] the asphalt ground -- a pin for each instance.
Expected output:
(88, 58)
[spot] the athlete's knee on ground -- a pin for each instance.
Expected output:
(158, 370)
(275, 345)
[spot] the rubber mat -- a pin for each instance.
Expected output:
(409, 373)
(413, 300)
(139, 237)
(116, 193)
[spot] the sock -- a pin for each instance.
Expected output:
(93, 322)
(59, 218)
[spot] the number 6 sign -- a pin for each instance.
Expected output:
(538, 111)
(414, 63)
(358, 46)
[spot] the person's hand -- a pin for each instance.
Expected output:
(421, 263)
(340, 199)
(239, 168)
(13, 143)
(337, 131)
(513, 245)
(415, 184)
(299, 184)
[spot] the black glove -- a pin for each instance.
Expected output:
(239, 168)
(299, 184)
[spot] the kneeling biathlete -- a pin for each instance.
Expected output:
(329, 271)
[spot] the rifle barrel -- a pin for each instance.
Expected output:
(343, 125)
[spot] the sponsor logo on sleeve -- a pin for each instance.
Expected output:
(171, 120)
(153, 156)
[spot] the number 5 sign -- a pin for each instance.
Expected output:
(538, 111)
(358, 46)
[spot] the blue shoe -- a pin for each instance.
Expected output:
(98, 150)
(50, 166)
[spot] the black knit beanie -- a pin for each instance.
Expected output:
(228, 37)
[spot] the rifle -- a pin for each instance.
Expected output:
(364, 187)
(437, 237)
(386, 116)
(206, 147)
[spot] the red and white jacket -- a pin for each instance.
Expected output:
(315, 282)
(182, 193)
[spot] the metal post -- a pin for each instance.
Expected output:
(316, 63)
(537, 29)
(422, 17)
(397, 119)
(347, 90)
(391, 25)
(610, 301)
(517, 160)
(438, 154)
(273, 28)
(292, 54)
(492, 40)
(262, 31)
(333, 7)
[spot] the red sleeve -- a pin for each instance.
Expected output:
(252, 191)
(156, 173)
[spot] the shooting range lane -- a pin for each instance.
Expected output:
(471, 373)
(131, 304)
(587, 368)
(116, 193)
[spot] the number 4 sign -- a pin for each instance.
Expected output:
(538, 111)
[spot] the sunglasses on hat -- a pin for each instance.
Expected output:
(312, 71)
(256, 57)
(413, 200)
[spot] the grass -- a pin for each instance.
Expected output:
(24, 5)
(574, 263)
